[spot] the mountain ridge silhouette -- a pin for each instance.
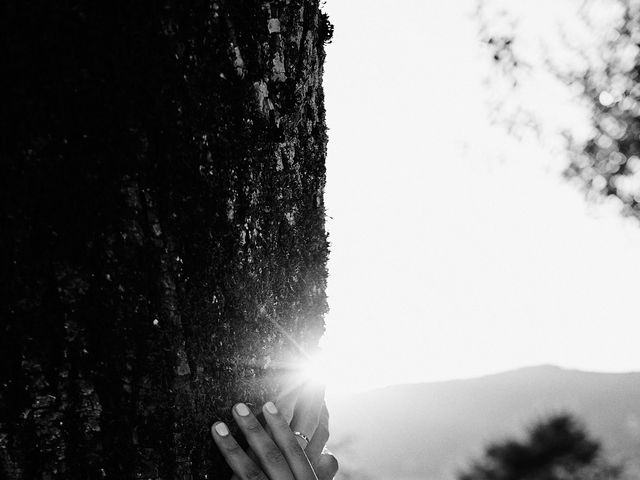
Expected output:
(431, 430)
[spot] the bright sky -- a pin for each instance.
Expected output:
(456, 250)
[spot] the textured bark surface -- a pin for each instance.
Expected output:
(162, 203)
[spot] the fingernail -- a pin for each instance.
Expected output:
(242, 410)
(271, 408)
(222, 429)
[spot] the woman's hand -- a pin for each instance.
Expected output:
(277, 455)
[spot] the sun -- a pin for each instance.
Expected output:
(315, 369)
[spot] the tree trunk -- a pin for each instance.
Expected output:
(162, 236)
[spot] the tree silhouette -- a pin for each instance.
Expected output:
(558, 448)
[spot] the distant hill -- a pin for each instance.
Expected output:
(427, 431)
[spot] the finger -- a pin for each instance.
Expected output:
(286, 440)
(327, 466)
(271, 458)
(253, 458)
(307, 412)
(243, 467)
(288, 399)
(320, 437)
(288, 396)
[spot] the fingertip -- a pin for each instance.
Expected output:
(270, 408)
(241, 409)
(219, 429)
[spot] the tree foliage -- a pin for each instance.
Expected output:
(608, 163)
(604, 75)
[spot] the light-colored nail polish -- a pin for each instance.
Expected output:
(222, 429)
(242, 410)
(271, 408)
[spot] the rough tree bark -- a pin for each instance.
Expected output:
(162, 203)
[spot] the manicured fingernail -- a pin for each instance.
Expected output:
(271, 408)
(242, 410)
(222, 429)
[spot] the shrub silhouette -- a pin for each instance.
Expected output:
(558, 448)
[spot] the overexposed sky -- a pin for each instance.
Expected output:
(457, 250)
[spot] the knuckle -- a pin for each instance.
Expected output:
(295, 450)
(274, 456)
(254, 474)
(287, 413)
(233, 449)
(281, 422)
(253, 426)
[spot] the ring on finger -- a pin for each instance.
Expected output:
(302, 436)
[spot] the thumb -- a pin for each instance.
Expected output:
(327, 466)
